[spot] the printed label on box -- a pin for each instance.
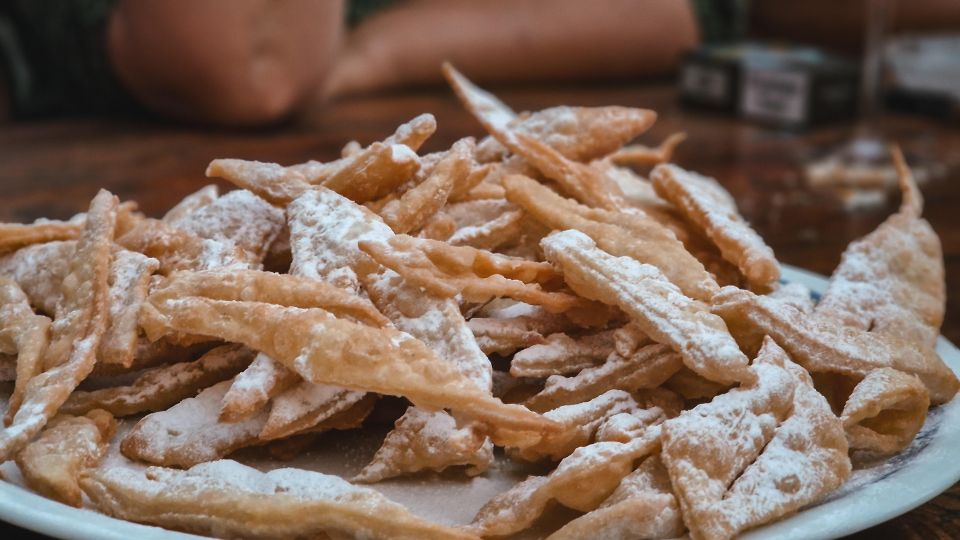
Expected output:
(775, 95)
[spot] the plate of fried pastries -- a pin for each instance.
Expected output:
(546, 332)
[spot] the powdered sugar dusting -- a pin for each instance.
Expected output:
(654, 304)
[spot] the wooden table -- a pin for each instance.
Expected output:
(52, 169)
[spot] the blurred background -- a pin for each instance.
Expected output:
(791, 105)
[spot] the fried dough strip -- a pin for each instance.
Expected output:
(581, 481)
(372, 173)
(413, 446)
(655, 305)
(272, 182)
(24, 333)
(484, 106)
(254, 387)
(477, 275)
(39, 270)
(412, 210)
(505, 333)
(130, 274)
(51, 465)
(411, 134)
(439, 227)
(892, 280)
(414, 133)
(805, 460)
(14, 236)
(436, 321)
(295, 405)
(442, 328)
(507, 228)
(324, 230)
(583, 182)
(304, 406)
(706, 448)
(268, 287)
(708, 206)
(794, 294)
(579, 133)
(649, 367)
(642, 506)
(160, 388)
(884, 413)
(618, 233)
(561, 354)
(586, 133)
(581, 422)
(225, 498)
(474, 178)
(640, 155)
(324, 349)
(177, 249)
(483, 191)
(190, 432)
(240, 218)
(270, 379)
(823, 345)
(85, 319)
(190, 204)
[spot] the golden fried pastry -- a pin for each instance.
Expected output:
(708, 206)
(190, 432)
(706, 448)
(225, 498)
(633, 234)
(892, 281)
(14, 235)
(561, 354)
(654, 304)
(52, 464)
(83, 321)
(884, 413)
(273, 183)
(191, 203)
(428, 440)
(805, 460)
(619, 324)
(254, 387)
(639, 155)
(581, 481)
(414, 208)
(823, 345)
(642, 506)
(648, 367)
(162, 387)
(304, 406)
(39, 270)
(24, 337)
(239, 218)
(130, 274)
(580, 424)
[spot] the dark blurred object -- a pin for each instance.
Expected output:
(780, 85)
(924, 75)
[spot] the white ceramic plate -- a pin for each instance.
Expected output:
(871, 496)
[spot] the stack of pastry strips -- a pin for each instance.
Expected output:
(646, 354)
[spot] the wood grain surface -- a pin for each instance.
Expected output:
(52, 170)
